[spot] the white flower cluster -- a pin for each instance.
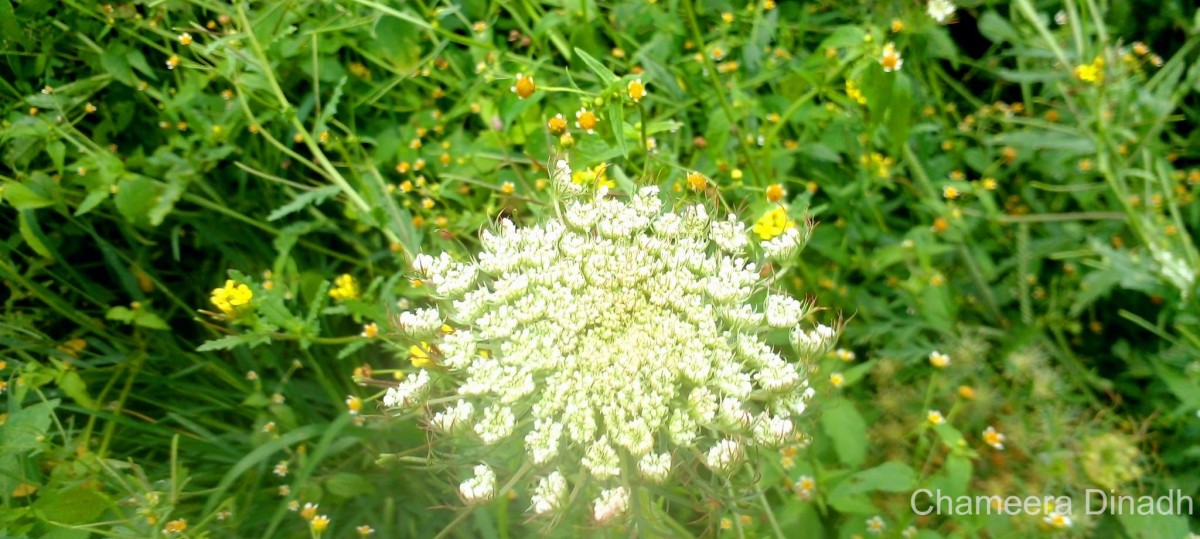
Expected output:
(616, 332)
(940, 10)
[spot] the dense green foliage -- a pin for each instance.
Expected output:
(1019, 194)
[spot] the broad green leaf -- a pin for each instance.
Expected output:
(23, 197)
(24, 429)
(845, 426)
(77, 505)
(72, 385)
(887, 477)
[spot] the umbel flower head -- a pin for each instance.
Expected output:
(611, 344)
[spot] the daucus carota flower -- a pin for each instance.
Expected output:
(940, 10)
(615, 338)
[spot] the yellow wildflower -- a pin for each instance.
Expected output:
(418, 354)
(637, 90)
(344, 288)
(231, 297)
(1093, 72)
(773, 223)
(524, 86)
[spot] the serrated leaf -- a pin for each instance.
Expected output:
(233, 341)
(304, 200)
(23, 429)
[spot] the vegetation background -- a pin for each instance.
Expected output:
(1018, 194)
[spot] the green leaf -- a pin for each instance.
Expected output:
(72, 385)
(843, 36)
(606, 75)
(348, 485)
(845, 426)
(233, 341)
(616, 116)
(996, 29)
(900, 113)
(78, 505)
(304, 200)
(116, 61)
(23, 197)
(93, 199)
(27, 225)
(887, 477)
(10, 29)
(24, 429)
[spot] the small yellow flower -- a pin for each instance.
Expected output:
(1093, 72)
(524, 86)
(185, 39)
(837, 379)
(285, 491)
(773, 223)
(950, 192)
(966, 392)
(281, 468)
(775, 193)
(726, 524)
(365, 530)
(842, 353)
(854, 93)
(172, 62)
(479, 27)
(344, 288)
(993, 438)
(897, 26)
(696, 181)
(175, 526)
(418, 354)
(319, 524)
(736, 174)
(637, 90)
(939, 360)
(891, 60)
(231, 297)
(989, 184)
(586, 120)
(557, 125)
(3, 364)
(354, 404)
(727, 17)
(935, 417)
(309, 511)
(415, 143)
(370, 331)
(427, 203)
